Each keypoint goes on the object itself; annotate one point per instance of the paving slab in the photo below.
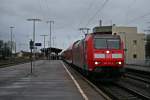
(49, 81)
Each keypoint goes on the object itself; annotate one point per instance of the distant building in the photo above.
(134, 42)
(1, 47)
(23, 54)
(4, 50)
(8, 44)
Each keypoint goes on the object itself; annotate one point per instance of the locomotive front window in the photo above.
(101, 43)
(113, 43)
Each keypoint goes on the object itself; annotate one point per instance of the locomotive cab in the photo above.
(99, 54)
(107, 55)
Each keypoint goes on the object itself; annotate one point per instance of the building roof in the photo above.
(55, 50)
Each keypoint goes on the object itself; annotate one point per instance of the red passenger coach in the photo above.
(97, 53)
(67, 54)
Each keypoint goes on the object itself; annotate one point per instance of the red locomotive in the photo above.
(98, 53)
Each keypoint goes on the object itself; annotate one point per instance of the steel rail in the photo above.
(145, 80)
(106, 97)
(132, 91)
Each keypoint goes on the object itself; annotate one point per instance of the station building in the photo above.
(134, 42)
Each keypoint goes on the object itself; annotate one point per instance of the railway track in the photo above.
(119, 90)
(100, 92)
(138, 87)
(2, 65)
(142, 78)
(139, 78)
(117, 93)
(126, 89)
(138, 73)
(136, 92)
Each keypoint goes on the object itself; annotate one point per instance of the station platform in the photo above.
(49, 81)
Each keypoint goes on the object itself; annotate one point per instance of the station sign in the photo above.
(38, 44)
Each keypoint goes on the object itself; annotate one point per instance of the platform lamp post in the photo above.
(11, 41)
(44, 43)
(50, 22)
(34, 20)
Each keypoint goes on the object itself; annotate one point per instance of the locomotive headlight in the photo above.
(96, 63)
(119, 62)
(107, 51)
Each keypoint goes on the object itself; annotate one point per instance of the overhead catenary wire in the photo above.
(39, 1)
(45, 9)
(86, 13)
(137, 18)
(47, 6)
(98, 11)
(129, 8)
(42, 8)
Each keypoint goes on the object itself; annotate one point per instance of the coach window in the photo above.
(134, 42)
(134, 56)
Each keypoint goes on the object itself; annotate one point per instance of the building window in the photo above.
(134, 42)
(115, 33)
(134, 56)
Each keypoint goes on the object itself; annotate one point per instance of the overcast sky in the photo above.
(69, 16)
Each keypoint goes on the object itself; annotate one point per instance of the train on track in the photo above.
(99, 53)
